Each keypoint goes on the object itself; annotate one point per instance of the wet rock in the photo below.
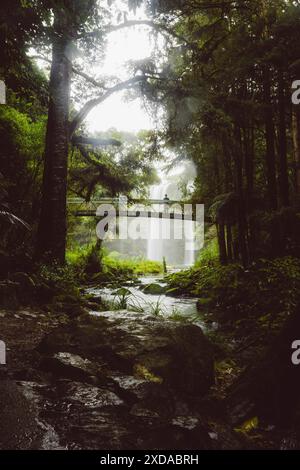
(174, 291)
(186, 422)
(69, 304)
(91, 396)
(93, 306)
(152, 349)
(70, 366)
(19, 429)
(121, 379)
(154, 289)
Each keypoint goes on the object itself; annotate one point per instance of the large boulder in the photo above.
(180, 355)
(132, 380)
(175, 354)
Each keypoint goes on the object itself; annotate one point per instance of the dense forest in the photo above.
(222, 87)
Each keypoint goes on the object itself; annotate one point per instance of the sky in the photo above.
(128, 44)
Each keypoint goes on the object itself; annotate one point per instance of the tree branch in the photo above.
(117, 27)
(95, 142)
(87, 77)
(89, 105)
(127, 24)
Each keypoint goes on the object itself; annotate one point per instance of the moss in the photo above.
(154, 289)
(141, 371)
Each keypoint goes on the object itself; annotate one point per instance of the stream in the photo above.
(126, 378)
(166, 306)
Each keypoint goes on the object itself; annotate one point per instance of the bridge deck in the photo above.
(110, 200)
(132, 214)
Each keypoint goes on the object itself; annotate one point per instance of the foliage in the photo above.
(266, 289)
(156, 308)
(113, 169)
(137, 265)
(60, 278)
(20, 161)
(210, 253)
(89, 259)
(121, 298)
(226, 95)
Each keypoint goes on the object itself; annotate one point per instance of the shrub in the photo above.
(90, 260)
(268, 287)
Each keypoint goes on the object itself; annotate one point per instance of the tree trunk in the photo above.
(270, 141)
(227, 165)
(222, 243)
(51, 238)
(283, 166)
(241, 206)
(296, 144)
(249, 163)
(229, 242)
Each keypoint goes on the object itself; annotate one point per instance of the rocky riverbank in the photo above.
(108, 380)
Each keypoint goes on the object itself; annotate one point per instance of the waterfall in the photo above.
(189, 252)
(160, 238)
(176, 252)
(156, 226)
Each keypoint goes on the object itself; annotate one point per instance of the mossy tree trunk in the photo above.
(51, 239)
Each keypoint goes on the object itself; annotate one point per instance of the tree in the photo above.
(71, 24)
(112, 163)
(228, 109)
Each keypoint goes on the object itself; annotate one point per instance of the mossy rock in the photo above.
(154, 289)
(185, 362)
(173, 291)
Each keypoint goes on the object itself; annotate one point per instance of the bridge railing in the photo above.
(144, 202)
(150, 208)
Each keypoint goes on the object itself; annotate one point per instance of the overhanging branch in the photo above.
(161, 27)
(82, 74)
(95, 142)
(91, 104)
